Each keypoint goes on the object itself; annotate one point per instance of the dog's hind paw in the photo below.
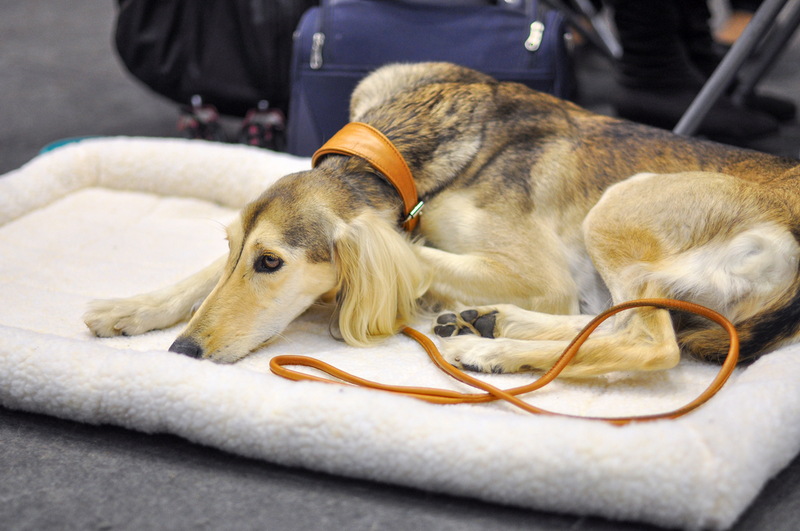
(480, 322)
(473, 353)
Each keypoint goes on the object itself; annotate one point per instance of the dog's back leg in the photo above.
(158, 309)
(636, 340)
(708, 238)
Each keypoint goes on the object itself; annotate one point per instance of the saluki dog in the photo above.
(537, 215)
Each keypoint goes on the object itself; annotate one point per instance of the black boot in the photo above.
(659, 81)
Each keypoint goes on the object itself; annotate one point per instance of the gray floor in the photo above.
(59, 78)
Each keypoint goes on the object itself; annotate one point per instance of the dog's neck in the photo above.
(364, 141)
(354, 185)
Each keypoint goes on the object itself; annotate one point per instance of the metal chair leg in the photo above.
(769, 52)
(721, 79)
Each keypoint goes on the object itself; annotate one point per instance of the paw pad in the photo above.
(469, 316)
(467, 322)
(485, 324)
(445, 331)
(447, 318)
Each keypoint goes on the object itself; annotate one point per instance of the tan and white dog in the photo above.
(537, 215)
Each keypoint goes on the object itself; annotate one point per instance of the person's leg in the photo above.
(659, 80)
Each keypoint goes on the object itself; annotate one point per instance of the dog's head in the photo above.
(305, 238)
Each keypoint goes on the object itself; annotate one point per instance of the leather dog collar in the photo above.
(364, 141)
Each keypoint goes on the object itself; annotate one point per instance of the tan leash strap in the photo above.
(441, 396)
(358, 139)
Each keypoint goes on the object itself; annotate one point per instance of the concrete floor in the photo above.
(59, 78)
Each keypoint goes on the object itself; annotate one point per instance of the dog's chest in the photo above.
(453, 222)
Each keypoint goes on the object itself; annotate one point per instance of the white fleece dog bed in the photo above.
(115, 217)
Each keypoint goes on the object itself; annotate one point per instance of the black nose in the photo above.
(187, 346)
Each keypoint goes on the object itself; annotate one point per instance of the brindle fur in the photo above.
(513, 226)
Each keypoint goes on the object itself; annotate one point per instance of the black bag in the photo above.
(340, 42)
(232, 53)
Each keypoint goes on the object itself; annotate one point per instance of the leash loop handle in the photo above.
(441, 396)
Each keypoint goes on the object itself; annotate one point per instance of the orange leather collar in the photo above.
(361, 140)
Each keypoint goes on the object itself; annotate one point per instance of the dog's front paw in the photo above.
(126, 317)
(480, 322)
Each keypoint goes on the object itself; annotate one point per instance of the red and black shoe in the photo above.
(200, 122)
(264, 127)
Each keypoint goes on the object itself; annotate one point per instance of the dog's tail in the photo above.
(769, 329)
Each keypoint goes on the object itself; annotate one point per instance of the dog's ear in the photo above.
(380, 279)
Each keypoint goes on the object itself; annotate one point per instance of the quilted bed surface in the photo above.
(110, 218)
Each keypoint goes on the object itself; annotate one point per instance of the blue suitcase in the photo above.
(341, 41)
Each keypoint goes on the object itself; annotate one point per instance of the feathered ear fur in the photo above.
(380, 280)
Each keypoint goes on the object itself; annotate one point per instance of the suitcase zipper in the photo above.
(534, 40)
(317, 40)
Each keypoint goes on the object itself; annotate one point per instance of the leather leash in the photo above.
(364, 141)
(278, 366)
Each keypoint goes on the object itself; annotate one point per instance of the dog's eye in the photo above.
(268, 263)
